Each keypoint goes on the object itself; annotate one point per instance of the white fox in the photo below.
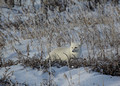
(64, 53)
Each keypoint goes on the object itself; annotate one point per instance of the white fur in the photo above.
(64, 53)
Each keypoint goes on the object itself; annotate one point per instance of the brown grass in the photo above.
(99, 33)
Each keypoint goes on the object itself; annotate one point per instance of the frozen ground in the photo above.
(61, 76)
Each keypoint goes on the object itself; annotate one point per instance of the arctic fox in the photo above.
(64, 53)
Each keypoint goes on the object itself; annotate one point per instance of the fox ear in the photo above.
(71, 43)
(80, 44)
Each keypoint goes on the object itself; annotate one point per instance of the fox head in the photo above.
(75, 47)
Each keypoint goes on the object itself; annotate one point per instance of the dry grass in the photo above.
(4, 63)
(99, 31)
(6, 81)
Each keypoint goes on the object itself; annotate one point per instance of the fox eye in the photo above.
(75, 47)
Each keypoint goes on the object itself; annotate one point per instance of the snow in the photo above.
(75, 77)
(62, 76)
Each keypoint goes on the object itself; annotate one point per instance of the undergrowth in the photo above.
(104, 65)
(97, 29)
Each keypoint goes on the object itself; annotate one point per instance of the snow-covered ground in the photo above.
(62, 76)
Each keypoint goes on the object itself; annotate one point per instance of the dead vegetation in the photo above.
(102, 65)
(6, 81)
(100, 34)
(4, 63)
